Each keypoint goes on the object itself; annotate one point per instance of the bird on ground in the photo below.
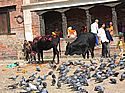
(38, 68)
(53, 82)
(14, 77)
(122, 76)
(32, 86)
(115, 74)
(44, 84)
(50, 72)
(113, 81)
(44, 91)
(13, 86)
(58, 84)
(82, 90)
(53, 76)
(52, 66)
(100, 89)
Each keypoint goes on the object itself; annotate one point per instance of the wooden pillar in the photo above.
(114, 20)
(88, 16)
(88, 20)
(42, 25)
(64, 24)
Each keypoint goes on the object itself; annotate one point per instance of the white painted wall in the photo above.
(27, 22)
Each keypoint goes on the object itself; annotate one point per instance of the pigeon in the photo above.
(102, 66)
(39, 79)
(13, 86)
(53, 82)
(50, 73)
(40, 88)
(31, 79)
(93, 62)
(52, 66)
(44, 91)
(33, 75)
(58, 84)
(122, 76)
(27, 89)
(100, 89)
(23, 82)
(44, 84)
(113, 81)
(53, 76)
(116, 74)
(14, 77)
(101, 60)
(99, 77)
(82, 90)
(38, 68)
(32, 86)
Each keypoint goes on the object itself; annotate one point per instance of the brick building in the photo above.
(29, 18)
(11, 28)
(64, 13)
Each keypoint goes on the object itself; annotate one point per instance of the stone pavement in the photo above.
(27, 69)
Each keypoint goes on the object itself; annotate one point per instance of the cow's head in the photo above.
(72, 49)
(69, 49)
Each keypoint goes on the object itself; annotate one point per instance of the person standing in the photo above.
(120, 46)
(94, 30)
(104, 40)
(111, 29)
(109, 37)
(27, 49)
(71, 33)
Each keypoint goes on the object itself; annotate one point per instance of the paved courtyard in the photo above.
(26, 70)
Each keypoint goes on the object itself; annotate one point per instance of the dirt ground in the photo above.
(26, 70)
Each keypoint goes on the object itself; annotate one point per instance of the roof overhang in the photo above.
(62, 4)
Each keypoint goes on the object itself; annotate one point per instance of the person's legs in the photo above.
(102, 49)
(96, 39)
(108, 49)
(105, 49)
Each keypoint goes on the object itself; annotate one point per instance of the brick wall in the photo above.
(35, 24)
(11, 45)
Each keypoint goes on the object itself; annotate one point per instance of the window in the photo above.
(4, 23)
(5, 19)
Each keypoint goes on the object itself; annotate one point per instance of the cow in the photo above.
(84, 43)
(47, 42)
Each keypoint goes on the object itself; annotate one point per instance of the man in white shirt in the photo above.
(104, 40)
(94, 30)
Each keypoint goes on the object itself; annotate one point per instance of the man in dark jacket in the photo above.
(109, 37)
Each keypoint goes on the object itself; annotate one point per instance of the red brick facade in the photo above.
(11, 44)
(35, 24)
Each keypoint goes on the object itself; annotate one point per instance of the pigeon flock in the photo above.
(83, 74)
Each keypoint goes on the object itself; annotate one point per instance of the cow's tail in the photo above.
(59, 48)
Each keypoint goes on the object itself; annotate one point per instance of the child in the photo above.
(120, 46)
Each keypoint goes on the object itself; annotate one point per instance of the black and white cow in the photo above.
(84, 43)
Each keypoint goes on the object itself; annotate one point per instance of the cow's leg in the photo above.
(42, 56)
(87, 54)
(84, 52)
(27, 56)
(38, 54)
(92, 52)
(57, 52)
